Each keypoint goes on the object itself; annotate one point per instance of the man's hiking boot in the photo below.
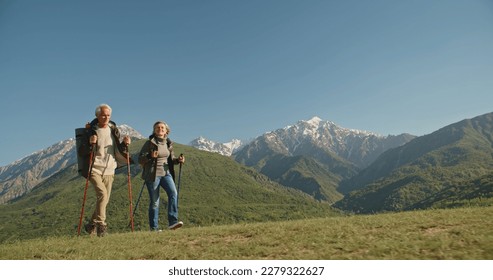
(91, 229)
(102, 230)
(176, 225)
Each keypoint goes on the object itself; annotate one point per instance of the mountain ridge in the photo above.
(340, 151)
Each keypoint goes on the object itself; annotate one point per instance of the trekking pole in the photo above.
(138, 200)
(179, 180)
(142, 189)
(130, 190)
(89, 171)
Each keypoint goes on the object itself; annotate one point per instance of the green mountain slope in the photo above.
(317, 175)
(214, 190)
(401, 178)
(305, 174)
(475, 192)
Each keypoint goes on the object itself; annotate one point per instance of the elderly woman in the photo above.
(157, 159)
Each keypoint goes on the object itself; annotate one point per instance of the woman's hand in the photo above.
(154, 154)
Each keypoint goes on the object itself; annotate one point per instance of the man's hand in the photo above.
(126, 140)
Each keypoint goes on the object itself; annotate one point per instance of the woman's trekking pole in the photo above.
(130, 190)
(89, 171)
(138, 200)
(179, 180)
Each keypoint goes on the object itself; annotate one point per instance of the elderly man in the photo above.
(108, 154)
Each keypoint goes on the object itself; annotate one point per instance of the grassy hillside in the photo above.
(461, 234)
(214, 190)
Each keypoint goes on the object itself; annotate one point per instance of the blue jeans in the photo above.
(169, 186)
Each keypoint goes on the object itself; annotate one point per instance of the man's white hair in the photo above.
(100, 107)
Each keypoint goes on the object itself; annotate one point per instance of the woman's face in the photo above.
(160, 130)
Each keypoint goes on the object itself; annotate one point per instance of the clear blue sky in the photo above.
(236, 69)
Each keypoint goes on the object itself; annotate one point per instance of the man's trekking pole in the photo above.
(89, 171)
(130, 190)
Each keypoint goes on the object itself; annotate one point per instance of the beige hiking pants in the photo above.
(102, 185)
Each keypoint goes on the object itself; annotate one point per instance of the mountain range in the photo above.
(315, 155)
(363, 172)
(353, 170)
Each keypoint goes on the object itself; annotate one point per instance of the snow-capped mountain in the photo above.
(306, 138)
(316, 135)
(128, 130)
(22, 175)
(225, 149)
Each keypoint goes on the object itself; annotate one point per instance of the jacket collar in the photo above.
(94, 124)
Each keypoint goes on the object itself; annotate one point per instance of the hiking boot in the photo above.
(91, 229)
(176, 225)
(102, 230)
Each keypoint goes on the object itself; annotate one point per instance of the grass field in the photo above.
(453, 234)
